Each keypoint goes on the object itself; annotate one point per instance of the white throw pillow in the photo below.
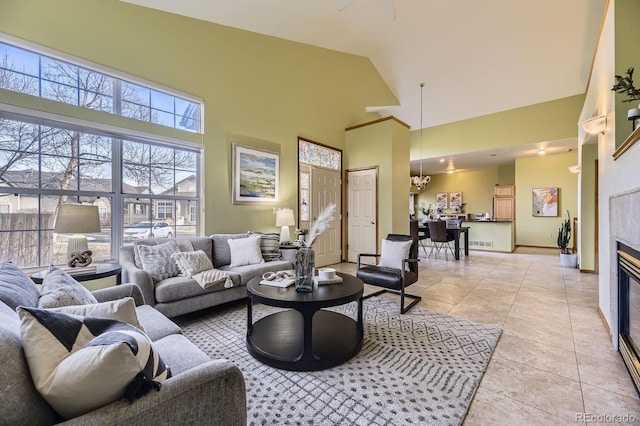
(157, 260)
(393, 252)
(192, 262)
(81, 363)
(61, 289)
(245, 251)
(122, 310)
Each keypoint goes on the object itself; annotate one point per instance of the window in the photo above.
(140, 179)
(31, 73)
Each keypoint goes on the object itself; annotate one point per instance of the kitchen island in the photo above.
(491, 235)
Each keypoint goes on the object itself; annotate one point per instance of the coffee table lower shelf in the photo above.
(278, 340)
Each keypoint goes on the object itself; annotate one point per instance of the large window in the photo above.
(39, 75)
(144, 187)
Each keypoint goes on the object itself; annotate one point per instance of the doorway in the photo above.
(362, 212)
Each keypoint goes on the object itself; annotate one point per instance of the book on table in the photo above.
(279, 282)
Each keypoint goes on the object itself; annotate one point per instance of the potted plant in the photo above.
(427, 211)
(567, 258)
(624, 85)
(301, 233)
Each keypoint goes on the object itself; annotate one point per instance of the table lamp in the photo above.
(77, 219)
(284, 219)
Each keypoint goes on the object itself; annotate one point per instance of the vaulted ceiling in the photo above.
(476, 57)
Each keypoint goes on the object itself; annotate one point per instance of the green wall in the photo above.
(476, 188)
(384, 144)
(520, 126)
(539, 172)
(257, 89)
(588, 207)
(507, 174)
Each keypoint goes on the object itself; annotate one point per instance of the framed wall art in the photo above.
(441, 201)
(455, 200)
(544, 202)
(256, 175)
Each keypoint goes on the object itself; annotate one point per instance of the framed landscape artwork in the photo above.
(441, 201)
(256, 175)
(544, 202)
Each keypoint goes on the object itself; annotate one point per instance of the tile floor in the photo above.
(554, 363)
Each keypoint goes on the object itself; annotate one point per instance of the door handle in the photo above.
(373, 223)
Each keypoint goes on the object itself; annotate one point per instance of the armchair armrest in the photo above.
(119, 292)
(365, 255)
(211, 393)
(132, 274)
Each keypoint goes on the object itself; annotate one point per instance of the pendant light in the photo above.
(421, 182)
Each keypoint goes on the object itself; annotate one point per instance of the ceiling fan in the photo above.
(389, 8)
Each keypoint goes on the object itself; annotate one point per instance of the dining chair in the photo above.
(440, 237)
(421, 235)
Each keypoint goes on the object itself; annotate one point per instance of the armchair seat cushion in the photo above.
(383, 276)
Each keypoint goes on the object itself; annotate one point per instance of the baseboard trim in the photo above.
(604, 321)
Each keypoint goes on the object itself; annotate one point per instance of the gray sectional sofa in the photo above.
(200, 391)
(180, 294)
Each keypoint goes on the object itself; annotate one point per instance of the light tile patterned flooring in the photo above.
(554, 363)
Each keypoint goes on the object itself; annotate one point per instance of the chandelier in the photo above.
(420, 182)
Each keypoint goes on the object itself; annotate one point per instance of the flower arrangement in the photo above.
(426, 210)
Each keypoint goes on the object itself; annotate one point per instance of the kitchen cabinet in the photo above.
(504, 191)
(504, 202)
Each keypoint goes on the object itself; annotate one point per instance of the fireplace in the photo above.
(629, 309)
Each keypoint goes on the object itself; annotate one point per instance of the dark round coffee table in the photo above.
(305, 337)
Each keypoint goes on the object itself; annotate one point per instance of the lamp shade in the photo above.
(284, 217)
(77, 219)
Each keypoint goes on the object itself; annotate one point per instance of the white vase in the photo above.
(569, 260)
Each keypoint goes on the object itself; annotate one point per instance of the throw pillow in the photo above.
(270, 247)
(245, 251)
(393, 252)
(81, 363)
(192, 262)
(183, 245)
(157, 260)
(122, 310)
(60, 289)
(16, 288)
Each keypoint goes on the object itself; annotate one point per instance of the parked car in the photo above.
(146, 229)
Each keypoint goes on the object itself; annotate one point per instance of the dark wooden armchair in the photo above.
(394, 280)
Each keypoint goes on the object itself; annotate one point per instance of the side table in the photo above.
(288, 253)
(103, 270)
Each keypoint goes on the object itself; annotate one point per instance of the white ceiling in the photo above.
(476, 57)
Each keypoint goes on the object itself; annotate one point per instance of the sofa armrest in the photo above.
(212, 393)
(132, 274)
(119, 292)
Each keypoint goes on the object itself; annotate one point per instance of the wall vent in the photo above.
(480, 243)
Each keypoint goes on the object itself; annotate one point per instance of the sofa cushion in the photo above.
(81, 363)
(16, 288)
(61, 289)
(21, 403)
(184, 244)
(269, 246)
(122, 310)
(178, 352)
(245, 251)
(156, 325)
(178, 288)
(192, 262)
(157, 260)
(221, 254)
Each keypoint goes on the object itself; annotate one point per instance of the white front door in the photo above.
(362, 213)
(325, 190)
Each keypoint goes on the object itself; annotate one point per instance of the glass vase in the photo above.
(305, 264)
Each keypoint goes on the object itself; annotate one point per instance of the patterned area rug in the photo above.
(420, 368)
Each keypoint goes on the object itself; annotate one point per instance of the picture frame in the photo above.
(256, 175)
(442, 201)
(455, 200)
(544, 202)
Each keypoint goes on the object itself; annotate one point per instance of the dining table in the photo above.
(455, 232)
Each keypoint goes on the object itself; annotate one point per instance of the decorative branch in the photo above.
(624, 85)
(321, 224)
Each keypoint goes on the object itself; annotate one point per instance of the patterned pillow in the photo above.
(270, 247)
(157, 260)
(192, 262)
(81, 363)
(122, 310)
(245, 251)
(60, 289)
(183, 244)
(16, 288)
(393, 252)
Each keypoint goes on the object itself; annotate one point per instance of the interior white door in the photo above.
(362, 213)
(326, 189)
